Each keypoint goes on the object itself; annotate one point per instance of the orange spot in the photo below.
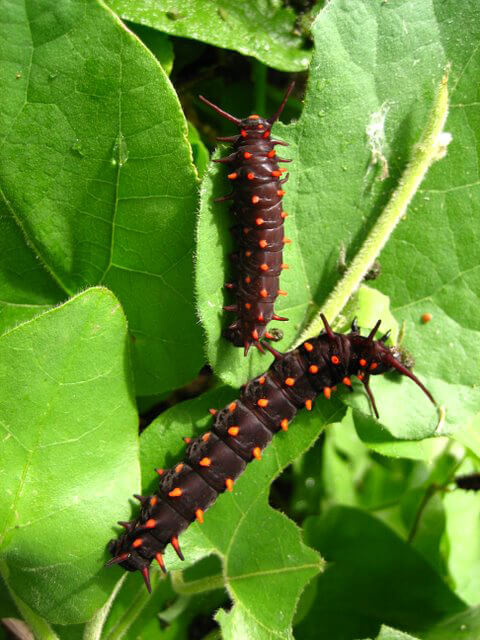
(284, 265)
(280, 192)
(248, 253)
(199, 515)
(175, 493)
(347, 381)
(153, 501)
(271, 154)
(284, 424)
(266, 134)
(268, 335)
(289, 382)
(262, 244)
(248, 279)
(276, 173)
(205, 462)
(363, 362)
(373, 366)
(334, 388)
(284, 215)
(243, 133)
(176, 546)
(327, 392)
(308, 346)
(187, 440)
(360, 376)
(263, 402)
(282, 170)
(179, 467)
(229, 484)
(150, 524)
(213, 412)
(232, 406)
(264, 267)
(137, 543)
(206, 436)
(255, 334)
(263, 293)
(233, 431)
(248, 305)
(247, 155)
(261, 380)
(260, 126)
(255, 199)
(286, 241)
(313, 368)
(250, 176)
(281, 292)
(426, 317)
(259, 221)
(257, 453)
(335, 360)
(246, 230)
(260, 318)
(308, 405)
(160, 471)
(232, 176)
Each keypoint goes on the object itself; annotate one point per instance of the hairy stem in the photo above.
(93, 629)
(431, 147)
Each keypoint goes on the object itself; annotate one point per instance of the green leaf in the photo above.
(464, 626)
(256, 28)
(97, 180)
(70, 440)
(261, 550)
(374, 56)
(387, 633)
(158, 43)
(372, 577)
(462, 511)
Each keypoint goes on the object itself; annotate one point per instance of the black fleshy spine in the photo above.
(240, 432)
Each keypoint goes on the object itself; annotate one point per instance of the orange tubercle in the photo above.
(308, 405)
(280, 192)
(263, 293)
(232, 406)
(179, 467)
(347, 381)
(363, 362)
(250, 176)
(281, 292)
(232, 176)
(137, 543)
(335, 360)
(284, 215)
(257, 453)
(261, 380)
(271, 154)
(373, 366)
(284, 424)
(308, 346)
(255, 334)
(175, 493)
(205, 462)
(289, 382)
(327, 392)
(259, 221)
(247, 155)
(263, 402)
(150, 524)
(229, 484)
(233, 431)
(313, 368)
(206, 436)
(276, 173)
(199, 515)
(255, 199)
(262, 244)
(264, 267)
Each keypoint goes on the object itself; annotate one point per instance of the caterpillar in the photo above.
(240, 432)
(469, 482)
(258, 231)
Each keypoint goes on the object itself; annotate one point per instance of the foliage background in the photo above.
(112, 261)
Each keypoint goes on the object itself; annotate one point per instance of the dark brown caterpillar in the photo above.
(259, 215)
(469, 482)
(242, 430)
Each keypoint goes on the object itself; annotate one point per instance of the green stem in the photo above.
(93, 629)
(196, 586)
(431, 147)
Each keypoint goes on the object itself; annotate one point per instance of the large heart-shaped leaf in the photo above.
(97, 180)
(69, 428)
(375, 60)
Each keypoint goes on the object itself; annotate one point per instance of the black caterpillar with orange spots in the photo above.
(241, 431)
(259, 215)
